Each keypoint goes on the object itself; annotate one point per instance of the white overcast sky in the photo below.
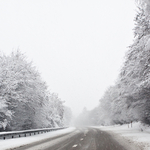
(77, 45)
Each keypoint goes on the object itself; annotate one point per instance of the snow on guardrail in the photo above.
(24, 133)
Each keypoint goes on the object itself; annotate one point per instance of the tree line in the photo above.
(25, 102)
(129, 99)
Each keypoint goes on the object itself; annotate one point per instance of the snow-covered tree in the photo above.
(129, 99)
(67, 117)
(24, 97)
(56, 111)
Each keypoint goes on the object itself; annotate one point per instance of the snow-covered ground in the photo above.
(138, 134)
(16, 142)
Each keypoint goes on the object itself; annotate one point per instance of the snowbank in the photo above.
(138, 134)
(17, 142)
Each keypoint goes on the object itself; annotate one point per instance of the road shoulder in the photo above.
(125, 142)
(133, 137)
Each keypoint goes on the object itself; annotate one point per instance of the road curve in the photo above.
(80, 139)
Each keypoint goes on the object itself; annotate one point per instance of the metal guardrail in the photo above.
(25, 133)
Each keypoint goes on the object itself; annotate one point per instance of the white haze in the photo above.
(77, 45)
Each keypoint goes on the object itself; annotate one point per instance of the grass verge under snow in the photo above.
(138, 134)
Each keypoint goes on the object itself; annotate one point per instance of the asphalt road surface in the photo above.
(80, 139)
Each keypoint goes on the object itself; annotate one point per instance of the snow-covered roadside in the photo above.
(17, 142)
(138, 135)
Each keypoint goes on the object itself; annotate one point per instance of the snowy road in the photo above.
(80, 139)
